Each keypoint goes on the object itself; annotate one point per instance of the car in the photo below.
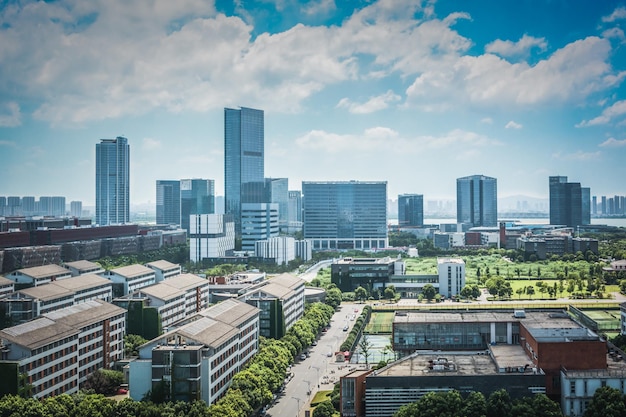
(314, 343)
(303, 356)
(345, 328)
(329, 354)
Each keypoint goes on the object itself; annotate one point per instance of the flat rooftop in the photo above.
(453, 363)
(163, 265)
(132, 271)
(83, 265)
(44, 271)
(533, 319)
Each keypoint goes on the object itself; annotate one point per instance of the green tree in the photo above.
(104, 381)
(132, 343)
(390, 293)
(434, 404)
(606, 402)
(360, 293)
(364, 346)
(324, 409)
(333, 297)
(429, 292)
(499, 404)
(475, 405)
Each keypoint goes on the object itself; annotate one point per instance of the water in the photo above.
(617, 222)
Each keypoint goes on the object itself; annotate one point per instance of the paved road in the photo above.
(319, 371)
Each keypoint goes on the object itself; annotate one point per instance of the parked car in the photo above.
(345, 328)
(303, 356)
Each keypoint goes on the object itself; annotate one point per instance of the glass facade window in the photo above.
(569, 202)
(197, 196)
(168, 202)
(112, 181)
(411, 210)
(477, 201)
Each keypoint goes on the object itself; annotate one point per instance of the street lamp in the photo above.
(298, 400)
(318, 374)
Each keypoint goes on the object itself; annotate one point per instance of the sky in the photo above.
(413, 93)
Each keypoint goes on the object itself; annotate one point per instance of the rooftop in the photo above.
(82, 282)
(287, 280)
(84, 314)
(234, 312)
(46, 292)
(162, 265)
(162, 292)
(132, 271)
(274, 290)
(450, 261)
(83, 265)
(452, 363)
(45, 271)
(533, 319)
(37, 333)
(556, 335)
(185, 281)
(5, 281)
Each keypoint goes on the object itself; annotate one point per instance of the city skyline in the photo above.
(413, 94)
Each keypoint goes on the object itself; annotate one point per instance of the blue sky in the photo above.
(417, 94)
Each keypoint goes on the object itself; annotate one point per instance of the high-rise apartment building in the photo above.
(244, 151)
(168, 202)
(197, 196)
(411, 210)
(569, 202)
(112, 181)
(76, 208)
(477, 201)
(345, 214)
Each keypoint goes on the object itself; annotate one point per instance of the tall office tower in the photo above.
(585, 193)
(295, 206)
(477, 201)
(112, 181)
(168, 202)
(278, 192)
(594, 205)
(244, 150)
(566, 202)
(345, 214)
(76, 208)
(3, 205)
(197, 196)
(411, 210)
(603, 205)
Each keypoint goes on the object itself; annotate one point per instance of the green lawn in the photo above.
(380, 322)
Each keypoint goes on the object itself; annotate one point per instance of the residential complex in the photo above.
(345, 214)
(112, 181)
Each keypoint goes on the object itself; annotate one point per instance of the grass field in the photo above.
(380, 322)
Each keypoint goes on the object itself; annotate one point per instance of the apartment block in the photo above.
(164, 269)
(39, 275)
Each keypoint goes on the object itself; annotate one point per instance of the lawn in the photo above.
(380, 322)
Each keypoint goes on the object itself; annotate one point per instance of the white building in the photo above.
(211, 236)
(259, 221)
(578, 387)
(58, 350)
(304, 250)
(164, 269)
(132, 278)
(281, 248)
(39, 275)
(215, 344)
(6, 286)
(451, 276)
(84, 267)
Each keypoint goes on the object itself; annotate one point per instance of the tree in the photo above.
(132, 343)
(365, 346)
(104, 381)
(474, 405)
(360, 293)
(429, 292)
(530, 290)
(333, 297)
(324, 409)
(499, 404)
(434, 404)
(606, 402)
(390, 292)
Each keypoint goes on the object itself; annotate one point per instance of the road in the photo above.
(319, 371)
(311, 273)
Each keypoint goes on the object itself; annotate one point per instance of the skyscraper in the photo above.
(569, 202)
(168, 202)
(411, 210)
(112, 181)
(197, 196)
(278, 192)
(477, 201)
(244, 174)
(345, 214)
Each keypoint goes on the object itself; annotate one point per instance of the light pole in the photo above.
(318, 375)
(298, 400)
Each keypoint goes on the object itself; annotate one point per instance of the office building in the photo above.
(411, 210)
(280, 248)
(345, 214)
(259, 221)
(477, 201)
(76, 208)
(211, 236)
(451, 276)
(197, 196)
(199, 356)
(244, 156)
(278, 193)
(569, 203)
(112, 181)
(57, 351)
(168, 202)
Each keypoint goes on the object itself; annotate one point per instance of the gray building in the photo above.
(197, 196)
(112, 181)
(411, 210)
(570, 203)
(168, 202)
(345, 214)
(477, 201)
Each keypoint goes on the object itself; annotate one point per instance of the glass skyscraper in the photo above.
(477, 201)
(197, 196)
(345, 214)
(244, 155)
(168, 202)
(569, 202)
(112, 181)
(411, 210)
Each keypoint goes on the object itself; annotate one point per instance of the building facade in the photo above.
(197, 196)
(244, 156)
(259, 221)
(168, 202)
(112, 181)
(451, 276)
(278, 189)
(569, 202)
(211, 236)
(411, 210)
(477, 201)
(345, 214)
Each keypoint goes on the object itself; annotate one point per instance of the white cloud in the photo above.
(374, 104)
(614, 33)
(487, 121)
(320, 7)
(8, 144)
(520, 48)
(614, 111)
(577, 156)
(10, 115)
(513, 125)
(618, 14)
(150, 144)
(613, 143)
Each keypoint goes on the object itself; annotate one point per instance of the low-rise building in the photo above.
(164, 269)
(84, 267)
(131, 278)
(369, 273)
(39, 275)
(198, 357)
(6, 287)
(54, 353)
